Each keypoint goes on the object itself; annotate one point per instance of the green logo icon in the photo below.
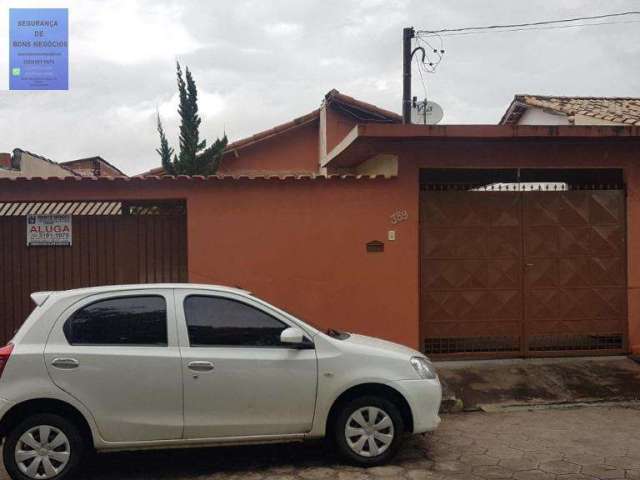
(15, 72)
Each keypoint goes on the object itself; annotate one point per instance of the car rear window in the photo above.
(135, 320)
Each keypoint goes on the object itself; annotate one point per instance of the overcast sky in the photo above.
(258, 63)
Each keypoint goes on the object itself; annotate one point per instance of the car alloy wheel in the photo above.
(369, 431)
(42, 452)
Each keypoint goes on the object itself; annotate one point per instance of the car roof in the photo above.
(142, 286)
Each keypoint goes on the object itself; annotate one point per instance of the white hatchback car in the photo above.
(175, 365)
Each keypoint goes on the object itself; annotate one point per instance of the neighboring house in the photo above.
(93, 167)
(26, 164)
(301, 145)
(550, 110)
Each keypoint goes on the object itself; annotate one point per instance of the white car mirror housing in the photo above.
(295, 338)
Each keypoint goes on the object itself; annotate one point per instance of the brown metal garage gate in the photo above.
(113, 242)
(523, 269)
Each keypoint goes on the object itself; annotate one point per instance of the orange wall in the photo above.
(301, 243)
(297, 243)
(338, 125)
(294, 151)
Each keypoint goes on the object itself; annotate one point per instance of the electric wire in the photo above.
(543, 22)
(527, 29)
(424, 85)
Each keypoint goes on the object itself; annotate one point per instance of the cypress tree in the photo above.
(194, 158)
(165, 151)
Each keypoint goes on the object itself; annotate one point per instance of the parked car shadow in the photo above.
(199, 462)
(246, 462)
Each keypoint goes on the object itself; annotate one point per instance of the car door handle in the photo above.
(65, 363)
(200, 366)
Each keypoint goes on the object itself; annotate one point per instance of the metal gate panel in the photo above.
(523, 273)
(471, 251)
(122, 245)
(575, 271)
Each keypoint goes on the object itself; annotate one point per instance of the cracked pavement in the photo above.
(558, 444)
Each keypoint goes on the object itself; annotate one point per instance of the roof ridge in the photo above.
(335, 95)
(575, 97)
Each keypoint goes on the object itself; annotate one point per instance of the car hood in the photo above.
(379, 344)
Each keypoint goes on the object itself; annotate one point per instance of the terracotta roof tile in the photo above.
(372, 112)
(169, 178)
(616, 109)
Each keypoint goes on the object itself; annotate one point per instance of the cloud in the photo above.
(129, 32)
(283, 29)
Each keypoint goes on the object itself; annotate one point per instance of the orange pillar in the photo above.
(633, 255)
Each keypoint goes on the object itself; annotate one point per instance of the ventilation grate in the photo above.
(438, 346)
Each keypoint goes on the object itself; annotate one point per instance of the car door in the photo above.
(239, 380)
(118, 354)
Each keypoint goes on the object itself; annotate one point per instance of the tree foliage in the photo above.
(194, 157)
(165, 151)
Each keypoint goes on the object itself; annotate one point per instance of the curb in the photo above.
(493, 408)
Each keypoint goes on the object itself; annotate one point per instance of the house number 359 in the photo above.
(399, 216)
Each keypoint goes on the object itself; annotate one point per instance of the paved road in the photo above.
(568, 444)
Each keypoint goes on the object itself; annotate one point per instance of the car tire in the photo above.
(364, 442)
(27, 457)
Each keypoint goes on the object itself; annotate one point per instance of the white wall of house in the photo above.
(32, 166)
(381, 164)
(537, 116)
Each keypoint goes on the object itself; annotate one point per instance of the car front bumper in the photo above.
(424, 398)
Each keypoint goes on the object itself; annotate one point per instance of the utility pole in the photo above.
(407, 35)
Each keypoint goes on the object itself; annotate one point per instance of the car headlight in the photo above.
(424, 368)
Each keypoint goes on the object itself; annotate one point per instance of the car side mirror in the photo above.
(295, 338)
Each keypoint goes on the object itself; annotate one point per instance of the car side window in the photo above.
(217, 321)
(135, 320)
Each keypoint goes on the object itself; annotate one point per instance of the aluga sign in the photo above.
(49, 230)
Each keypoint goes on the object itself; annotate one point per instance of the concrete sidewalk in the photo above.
(490, 384)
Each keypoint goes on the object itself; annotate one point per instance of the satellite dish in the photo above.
(426, 112)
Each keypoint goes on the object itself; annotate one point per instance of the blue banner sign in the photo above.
(39, 49)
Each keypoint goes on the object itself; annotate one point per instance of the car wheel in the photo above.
(368, 431)
(44, 446)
